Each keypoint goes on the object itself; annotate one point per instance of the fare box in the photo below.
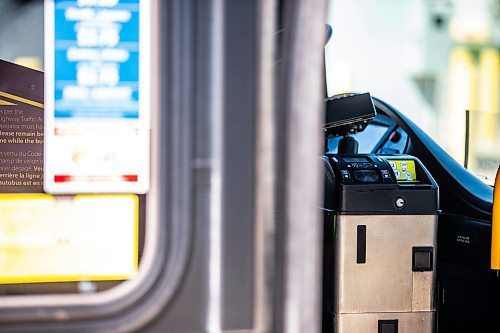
(97, 96)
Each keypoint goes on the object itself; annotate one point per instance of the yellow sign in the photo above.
(55, 239)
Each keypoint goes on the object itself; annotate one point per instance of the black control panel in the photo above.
(383, 184)
(362, 169)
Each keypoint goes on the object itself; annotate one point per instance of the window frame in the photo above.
(133, 303)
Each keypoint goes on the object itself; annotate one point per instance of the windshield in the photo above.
(433, 60)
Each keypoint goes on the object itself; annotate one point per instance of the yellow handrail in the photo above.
(495, 225)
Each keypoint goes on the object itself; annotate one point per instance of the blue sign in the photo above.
(96, 59)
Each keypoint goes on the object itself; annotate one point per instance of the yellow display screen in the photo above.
(404, 170)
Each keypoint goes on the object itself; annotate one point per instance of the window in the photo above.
(85, 255)
(367, 139)
(89, 239)
(433, 61)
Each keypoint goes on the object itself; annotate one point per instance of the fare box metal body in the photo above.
(97, 96)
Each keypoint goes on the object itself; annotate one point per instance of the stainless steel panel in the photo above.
(385, 283)
(423, 291)
(416, 322)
